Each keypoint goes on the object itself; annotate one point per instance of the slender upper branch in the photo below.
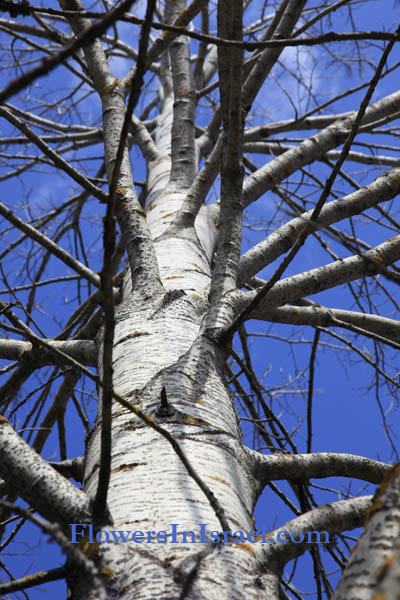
(49, 245)
(385, 187)
(162, 42)
(313, 148)
(322, 278)
(287, 18)
(183, 153)
(230, 76)
(59, 162)
(267, 59)
(131, 217)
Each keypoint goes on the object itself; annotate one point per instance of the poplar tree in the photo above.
(179, 178)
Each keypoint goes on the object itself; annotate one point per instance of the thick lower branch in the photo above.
(37, 482)
(331, 518)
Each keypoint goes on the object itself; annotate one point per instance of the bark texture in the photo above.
(156, 335)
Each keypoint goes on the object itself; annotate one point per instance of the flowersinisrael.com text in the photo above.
(203, 536)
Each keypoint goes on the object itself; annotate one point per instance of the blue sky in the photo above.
(346, 414)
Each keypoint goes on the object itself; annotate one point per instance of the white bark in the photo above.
(372, 571)
(385, 187)
(313, 148)
(322, 278)
(176, 291)
(37, 482)
(318, 315)
(146, 473)
(83, 351)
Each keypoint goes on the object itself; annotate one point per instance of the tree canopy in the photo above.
(200, 203)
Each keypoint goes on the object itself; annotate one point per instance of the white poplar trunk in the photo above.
(159, 341)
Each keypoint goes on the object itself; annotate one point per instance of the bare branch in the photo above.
(300, 467)
(59, 162)
(330, 275)
(385, 187)
(48, 64)
(37, 482)
(331, 518)
(83, 351)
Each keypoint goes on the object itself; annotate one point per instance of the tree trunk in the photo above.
(183, 486)
(158, 343)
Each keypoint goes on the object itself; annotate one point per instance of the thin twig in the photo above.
(51, 62)
(311, 388)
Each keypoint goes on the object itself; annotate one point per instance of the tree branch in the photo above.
(313, 148)
(59, 162)
(332, 518)
(317, 316)
(32, 478)
(23, 583)
(303, 467)
(323, 278)
(48, 244)
(82, 350)
(385, 187)
(183, 152)
(268, 58)
(230, 63)
(76, 556)
(49, 63)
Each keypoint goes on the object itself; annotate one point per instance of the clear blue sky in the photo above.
(346, 415)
